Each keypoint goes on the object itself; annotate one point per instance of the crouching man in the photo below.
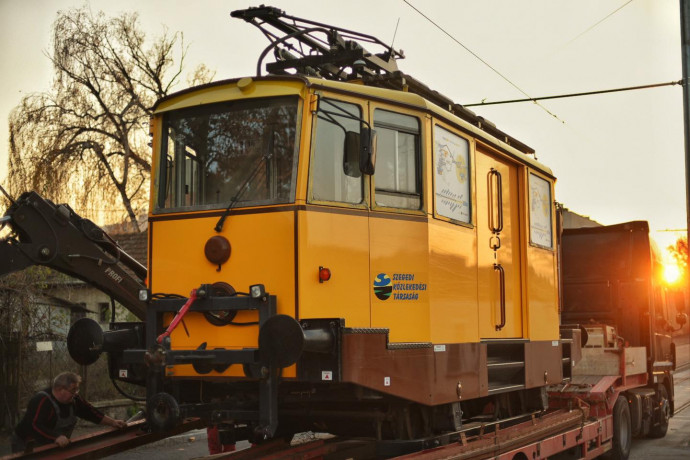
(52, 415)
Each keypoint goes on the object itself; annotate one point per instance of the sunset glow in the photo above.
(671, 273)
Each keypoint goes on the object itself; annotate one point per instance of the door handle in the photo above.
(495, 214)
(502, 294)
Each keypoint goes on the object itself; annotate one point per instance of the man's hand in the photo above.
(114, 423)
(62, 441)
(119, 424)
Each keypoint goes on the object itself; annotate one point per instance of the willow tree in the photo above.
(85, 141)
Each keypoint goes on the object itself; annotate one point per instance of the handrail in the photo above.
(495, 226)
(502, 289)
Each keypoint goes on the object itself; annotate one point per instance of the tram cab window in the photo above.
(398, 175)
(332, 178)
(242, 151)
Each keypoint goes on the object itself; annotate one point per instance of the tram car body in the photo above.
(439, 268)
(401, 258)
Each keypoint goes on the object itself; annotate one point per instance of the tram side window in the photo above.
(329, 179)
(541, 233)
(397, 177)
(452, 175)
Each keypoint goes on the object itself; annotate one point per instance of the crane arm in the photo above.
(54, 236)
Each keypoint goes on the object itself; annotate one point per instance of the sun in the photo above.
(671, 273)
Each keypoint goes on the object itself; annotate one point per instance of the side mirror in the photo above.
(367, 151)
(360, 153)
(681, 319)
(351, 155)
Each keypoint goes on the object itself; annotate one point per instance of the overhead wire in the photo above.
(588, 29)
(587, 93)
(480, 59)
(597, 23)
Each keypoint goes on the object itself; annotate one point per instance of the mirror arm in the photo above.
(330, 119)
(367, 147)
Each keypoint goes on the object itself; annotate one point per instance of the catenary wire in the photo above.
(587, 93)
(480, 59)
(598, 22)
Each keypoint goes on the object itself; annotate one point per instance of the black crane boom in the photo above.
(55, 236)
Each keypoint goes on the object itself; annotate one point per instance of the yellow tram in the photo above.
(414, 248)
(400, 253)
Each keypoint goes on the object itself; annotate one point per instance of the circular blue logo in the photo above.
(382, 286)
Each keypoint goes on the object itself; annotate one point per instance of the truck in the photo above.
(613, 275)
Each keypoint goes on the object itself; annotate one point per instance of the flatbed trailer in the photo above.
(581, 423)
(568, 432)
(593, 412)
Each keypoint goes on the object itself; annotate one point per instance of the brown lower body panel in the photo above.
(440, 374)
(543, 363)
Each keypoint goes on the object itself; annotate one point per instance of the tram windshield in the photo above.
(241, 152)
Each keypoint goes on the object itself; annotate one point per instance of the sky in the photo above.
(618, 157)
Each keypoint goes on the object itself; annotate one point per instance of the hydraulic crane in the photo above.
(43, 233)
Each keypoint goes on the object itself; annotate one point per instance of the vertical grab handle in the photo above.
(495, 214)
(502, 291)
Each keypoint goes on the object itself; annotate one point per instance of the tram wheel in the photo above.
(622, 430)
(163, 412)
(661, 418)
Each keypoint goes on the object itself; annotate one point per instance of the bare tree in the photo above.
(86, 140)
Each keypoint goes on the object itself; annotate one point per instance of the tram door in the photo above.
(498, 246)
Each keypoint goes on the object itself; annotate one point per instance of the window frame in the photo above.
(470, 174)
(362, 106)
(163, 149)
(530, 173)
(420, 158)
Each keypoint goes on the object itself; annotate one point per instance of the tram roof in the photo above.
(454, 114)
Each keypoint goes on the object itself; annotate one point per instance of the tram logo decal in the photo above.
(382, 286)
(400, 286)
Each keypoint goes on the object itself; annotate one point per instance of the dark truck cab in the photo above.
(614, 275)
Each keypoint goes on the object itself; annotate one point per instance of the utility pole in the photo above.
(685, 52)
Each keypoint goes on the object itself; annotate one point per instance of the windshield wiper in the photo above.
(219, 226)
